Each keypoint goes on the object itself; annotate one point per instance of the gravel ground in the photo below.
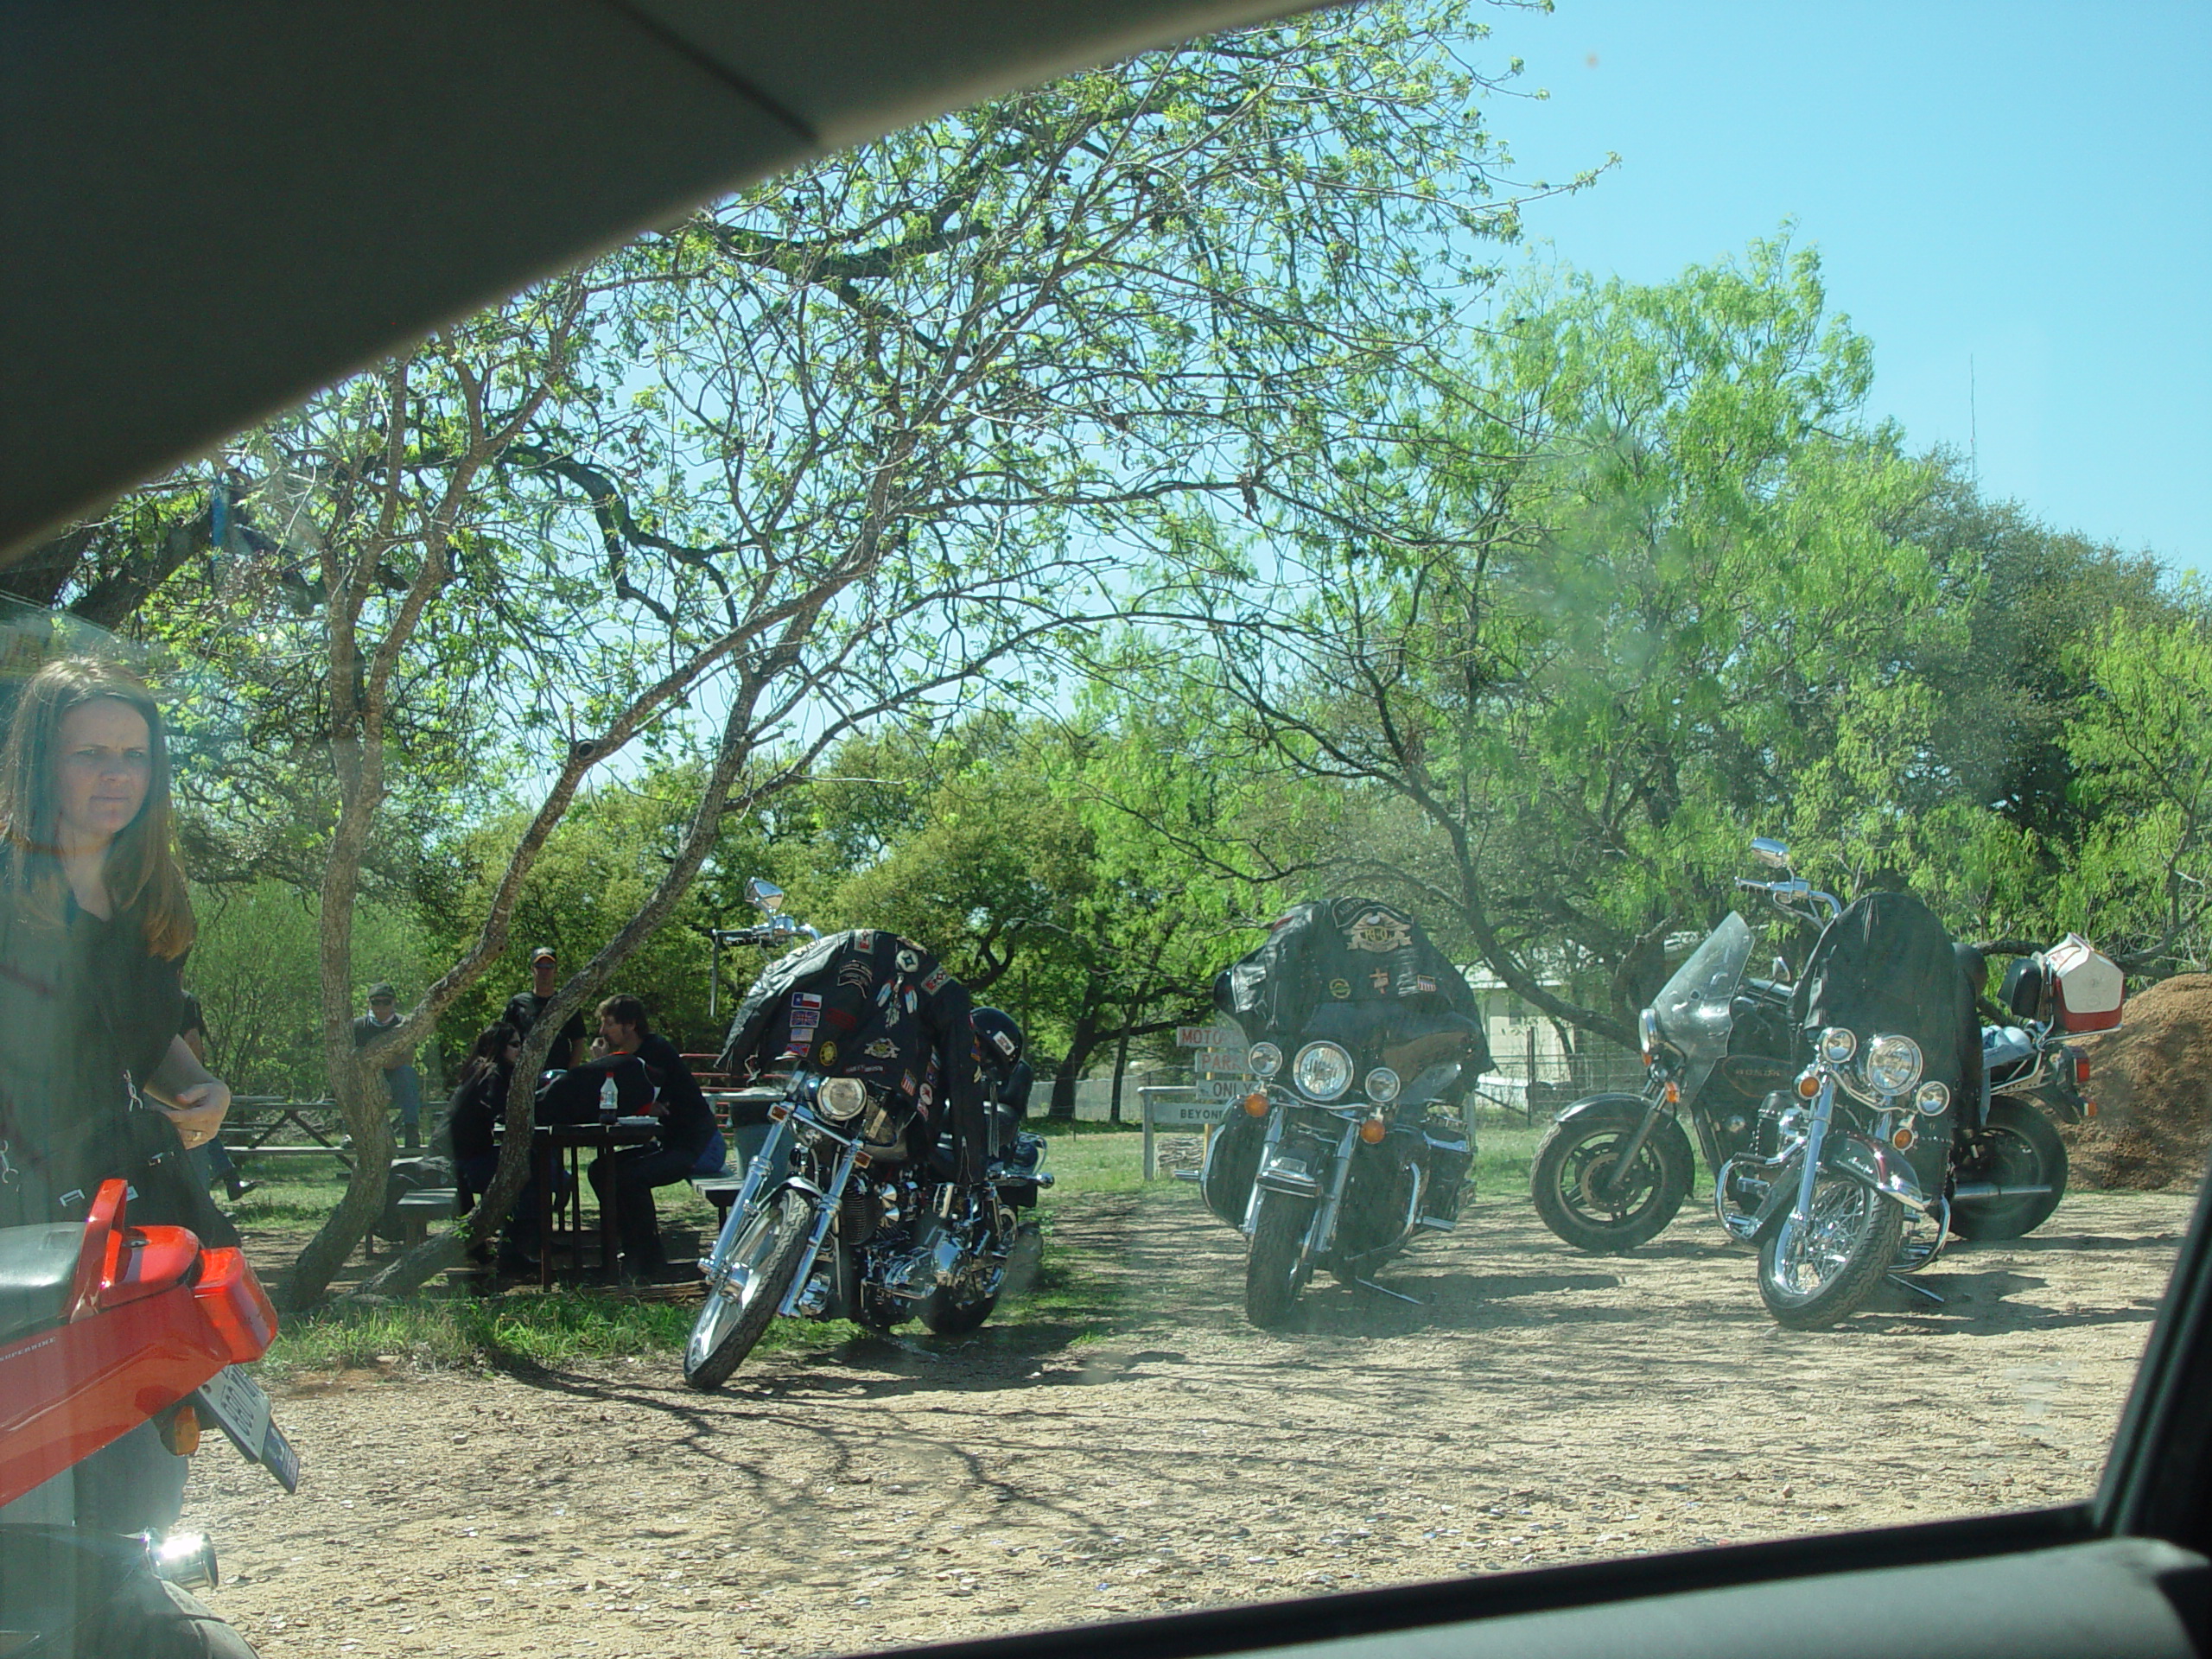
(1540, 1406)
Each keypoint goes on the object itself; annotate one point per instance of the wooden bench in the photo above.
(720, 1191)
(422, 1207)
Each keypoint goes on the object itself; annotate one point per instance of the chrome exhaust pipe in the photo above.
(1966, 1190)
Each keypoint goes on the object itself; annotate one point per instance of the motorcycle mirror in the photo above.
(763, 895)
(1770, 852)
(1782, 968)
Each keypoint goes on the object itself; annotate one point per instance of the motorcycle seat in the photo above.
(38, 1267)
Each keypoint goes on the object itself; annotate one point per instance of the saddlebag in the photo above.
(1232, 1160)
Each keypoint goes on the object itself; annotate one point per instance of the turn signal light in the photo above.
(1673, 1094)
(1372, 1130)
(780, 1111)
(2089, 1109)
(179, 1431)
(1902, 1139)
(1809, 1086)
(1255, 1104)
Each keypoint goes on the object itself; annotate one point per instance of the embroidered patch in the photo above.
(937, 981)
(1340, 988)
(1423, 982)
(864, 939)
(1380, 979)
(829, 1055)
(907, 1083)
(1379, 931)
(907, 961)
(883, 1049)
(806, 1012)
(856, 974)
(842, 1019)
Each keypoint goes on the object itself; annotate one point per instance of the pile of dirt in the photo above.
(2152, 1081)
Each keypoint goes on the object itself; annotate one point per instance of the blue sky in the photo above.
(2026, 186)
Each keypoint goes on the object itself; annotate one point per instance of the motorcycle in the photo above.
(838, 1219)
(102, 1329)
(1336, 1181)
(1613, 1169)
(839, 1216)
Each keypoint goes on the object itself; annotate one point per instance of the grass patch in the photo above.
(542, 1328)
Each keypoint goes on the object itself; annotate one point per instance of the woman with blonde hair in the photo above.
(95, 923)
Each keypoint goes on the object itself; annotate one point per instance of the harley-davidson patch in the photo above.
(884, 1049)
(1379, 932)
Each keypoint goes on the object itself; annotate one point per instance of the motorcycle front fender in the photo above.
(1590, 1105)
(1855, 1156)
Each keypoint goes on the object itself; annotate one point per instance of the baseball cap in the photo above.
(541, 953)
(381, 992)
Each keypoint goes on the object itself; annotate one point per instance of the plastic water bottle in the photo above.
(610, 1105)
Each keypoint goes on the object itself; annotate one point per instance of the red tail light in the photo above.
(2081, 1069)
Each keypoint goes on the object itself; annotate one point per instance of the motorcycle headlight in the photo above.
(841, 1098)
(1838, 1045)
(1647, 1033)
(1323, 1071)
(1265, 1059)
(1381, 1085)
(1932, 1098)
(1892, 1064)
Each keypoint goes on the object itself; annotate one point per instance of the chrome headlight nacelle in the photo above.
(1322, 1071)
(1892, 1064)
(841, 1098)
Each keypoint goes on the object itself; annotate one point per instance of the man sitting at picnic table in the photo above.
(687, 1125)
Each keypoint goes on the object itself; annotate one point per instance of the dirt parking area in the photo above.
(1540, 1406)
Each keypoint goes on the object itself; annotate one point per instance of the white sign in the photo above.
(1218, 1059)
(1168, 1114)
(1208, 1037)
(1222, 1088)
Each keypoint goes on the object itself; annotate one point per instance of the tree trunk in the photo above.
(1081, 1046)
(1120, 1066)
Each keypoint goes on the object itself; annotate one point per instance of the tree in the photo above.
(1640, 588)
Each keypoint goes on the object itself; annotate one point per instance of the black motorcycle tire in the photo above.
(727, 1329)
(1875, 1229)
(1272, 1280)
(2027, 1150)
(1558, 1181)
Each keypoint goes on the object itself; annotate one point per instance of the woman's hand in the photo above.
(198, 1112)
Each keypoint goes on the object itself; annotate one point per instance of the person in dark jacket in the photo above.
(476, 1108)
(687, 1124)
(525, 1006)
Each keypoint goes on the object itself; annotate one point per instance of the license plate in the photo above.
(240, 1408)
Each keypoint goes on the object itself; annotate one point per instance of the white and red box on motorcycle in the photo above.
(2073, 985)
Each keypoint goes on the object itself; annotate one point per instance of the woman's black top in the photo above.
(477, 1106)
(86, 1011)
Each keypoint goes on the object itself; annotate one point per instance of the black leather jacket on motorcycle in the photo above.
(1361, 973)
(869, 1004)
(1887, 964)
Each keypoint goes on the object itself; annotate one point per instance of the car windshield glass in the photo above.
(920, 910)
(1692, 1008)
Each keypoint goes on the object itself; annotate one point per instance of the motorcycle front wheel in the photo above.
(2021, 1148)
(1272, 1276)
(1814, 1276)
(1583, 1195)
(762, 1262)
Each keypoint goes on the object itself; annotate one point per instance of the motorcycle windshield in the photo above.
(1692, 1008)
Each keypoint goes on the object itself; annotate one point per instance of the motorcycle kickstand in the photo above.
(1917, 1289)
(1368, 1284)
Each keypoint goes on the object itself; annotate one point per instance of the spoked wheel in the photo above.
(1272, 1274)
(2018, 1146)
(763, 1262)
(1584, 1195)
(1816, 1275)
